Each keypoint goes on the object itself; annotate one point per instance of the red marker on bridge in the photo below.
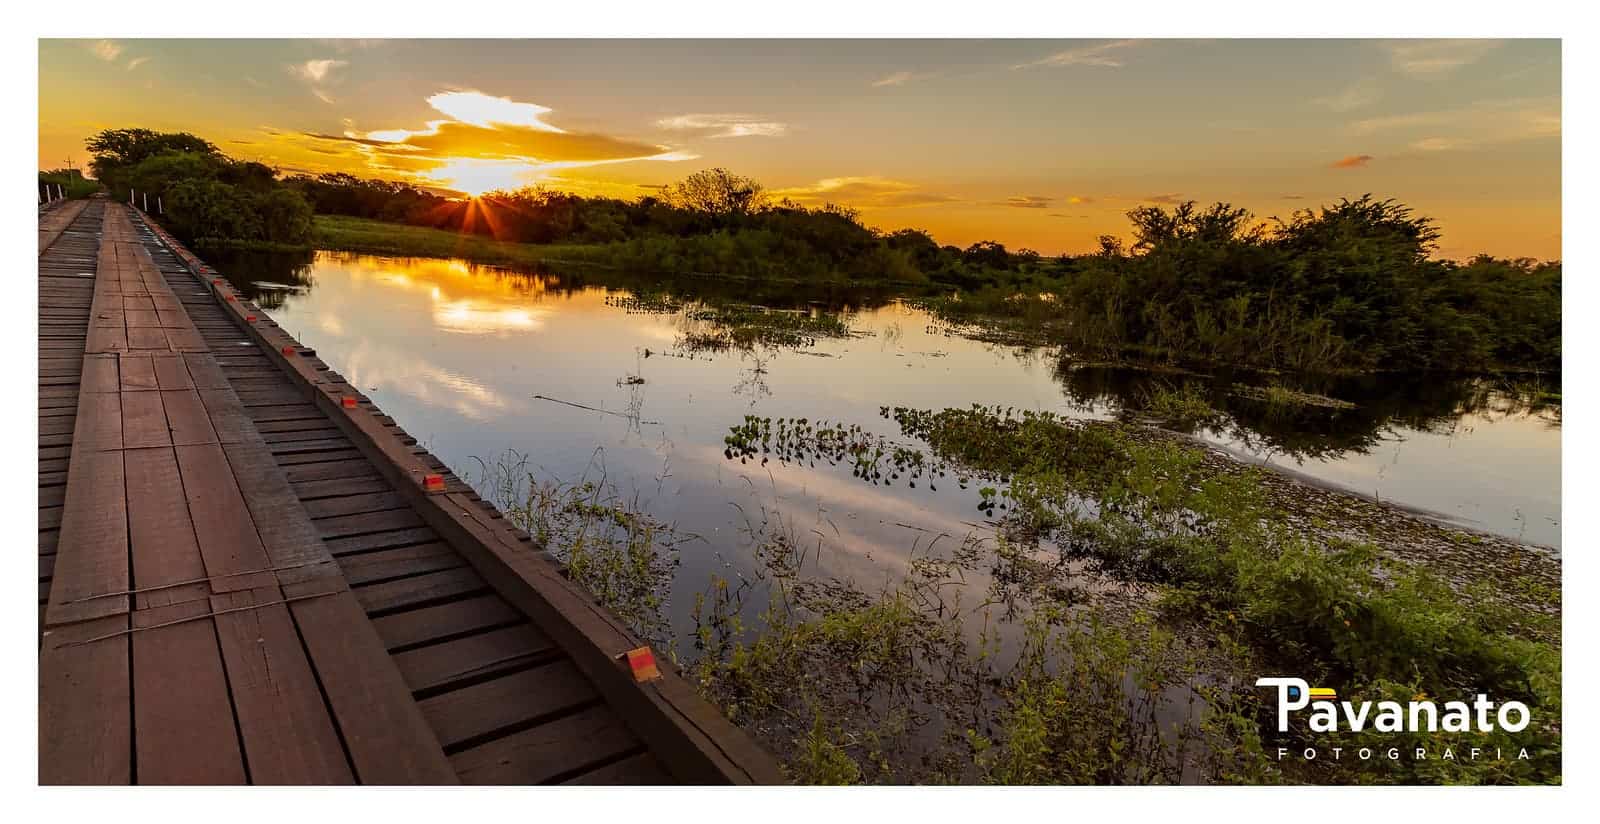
(643, 664)
(288, 350)
(433, 482)
(348, 401)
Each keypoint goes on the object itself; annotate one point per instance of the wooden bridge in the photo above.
(249, 574)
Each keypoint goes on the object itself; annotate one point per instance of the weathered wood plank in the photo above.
(421, 626)
(639, 770)
(480, 709)
(227, 535)
(283, 721)
(85, 705)
(419, 589)
(187, 417)
(388, 738)
(144, 421)
(540, 754)
(474, 656)
(182, 715)
(93, 548)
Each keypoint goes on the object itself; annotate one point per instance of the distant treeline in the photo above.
(712, 222)
(68, 183)
(1347, 287)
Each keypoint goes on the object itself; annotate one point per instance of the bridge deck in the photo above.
(245, 580)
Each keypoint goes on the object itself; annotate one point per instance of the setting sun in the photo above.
(475, 176)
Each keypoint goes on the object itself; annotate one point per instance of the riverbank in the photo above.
(353, 234)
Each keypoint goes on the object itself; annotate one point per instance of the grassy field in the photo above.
(351, 234)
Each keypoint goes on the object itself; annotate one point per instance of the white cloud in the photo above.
(106, 50)
(316, 71)
(137, 62)
(724, 125)
(900, 79)
(1104, 55)
(1437, 57)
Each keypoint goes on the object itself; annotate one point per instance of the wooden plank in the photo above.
(227, 536)
(182, 715)
(141, 318)
(144, 421)
(420, 589)
(371, 567)
(204, 372)
(368, 522)
(93, 549)
(312, 490)
(171, 372)
(481, 709)
(147, 338)
(283, 721)
(388, 739)
(474, 656)
(228, 418)
(328, 470)
(354, 504)
(85, 705)
(286, 532)
(639, 770)
(138, 372)
(541, 754)
(187, 417)
(429, 624)
(99, 421)
(161, 534)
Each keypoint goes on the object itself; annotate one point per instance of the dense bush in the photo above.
(204, 194)
(1349, 286)
(73, 185)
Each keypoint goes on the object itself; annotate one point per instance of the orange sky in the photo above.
(1040, 144)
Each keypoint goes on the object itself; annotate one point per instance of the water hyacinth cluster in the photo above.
(872, 458)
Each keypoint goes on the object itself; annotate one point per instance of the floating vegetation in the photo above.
(645, 303)
(740, 326)
(800, 441)
(1184, 407)
(1283, 396)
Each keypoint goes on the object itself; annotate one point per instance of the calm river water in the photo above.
(477, 360)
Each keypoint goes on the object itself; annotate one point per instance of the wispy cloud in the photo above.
(1437, 57)
(900, 79)
(1169, 199)
(1485, 122)
(865, 192)
(724, 125)
(317, 73)
(107, 50)
(1106, 55)
(480, 138)
(1356, 96)
(1027, 202)
(1356, 161)
(1438, 144)
(137, 62)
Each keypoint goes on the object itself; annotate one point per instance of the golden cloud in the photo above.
(1352, 161)
(864, 192)
(484, 137)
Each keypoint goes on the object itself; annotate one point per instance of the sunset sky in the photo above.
(1040, 144)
